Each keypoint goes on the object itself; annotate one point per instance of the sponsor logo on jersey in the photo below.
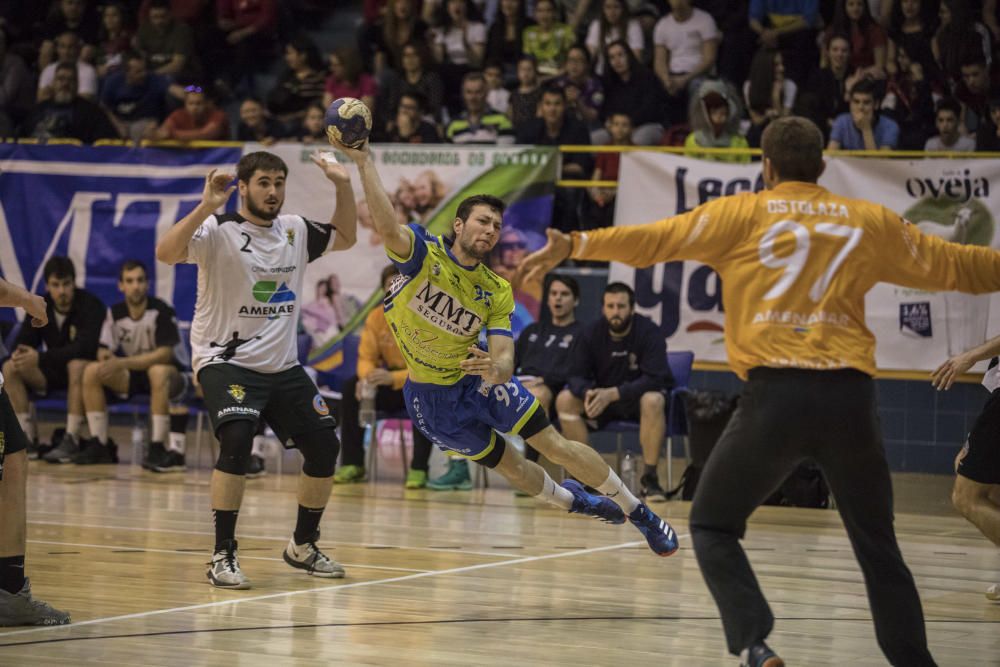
(320, 406)
(280, 300)
(445, 311)
(238, 392)
(290, 237)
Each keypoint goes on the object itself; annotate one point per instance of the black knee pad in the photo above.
(319, 449)
(235, 443)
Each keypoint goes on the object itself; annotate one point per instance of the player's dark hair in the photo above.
(251, 163)
(794, 145)
(569, 282)
(465, 208)
(130, 264)
(60, 267)
(621, 288)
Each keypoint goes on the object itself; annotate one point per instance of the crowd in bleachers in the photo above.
(703, 73)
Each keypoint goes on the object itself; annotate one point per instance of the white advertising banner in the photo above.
(916, 330)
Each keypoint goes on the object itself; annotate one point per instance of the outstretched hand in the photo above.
(948, 372)
(37, 310)
(481, 364)
(332, 169)
(359, 154)
(217, 189)
(556, 250)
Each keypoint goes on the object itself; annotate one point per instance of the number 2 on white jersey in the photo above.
(794, 262)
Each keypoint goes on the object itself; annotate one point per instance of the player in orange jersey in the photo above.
(796, 261)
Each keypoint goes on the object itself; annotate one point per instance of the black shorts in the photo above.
(627, 411)
(288, 401)
(138, 384)
(56, 378)
(12, 438)
(980, 457)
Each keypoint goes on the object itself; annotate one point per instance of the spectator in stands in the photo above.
(136, 356)
(988, 134)
(912, 25)
(959, 38)
(168, 44)
(400, 24)
(553, 126)
(497, 95)
(68, 16)
(313, 127)
(70, 339)
(550, 41)
(909, 101)
(863, 128)
(478, 123)
(615, 24)
(825, 94)
(256, 124)
(504, 38)
(686, 44)
(584, 91)
(973, 91)
(302, 83)
(788, 26)
(738, 39)
(948, 138)
(197, 120)
(135, 98)
(715, 123)
(599, 207)
(347, 80)
(417, 76)
(409, 126)
(525, 97)
(544, 349)
(17, 89)
(459, 46)
(250, 27)
(68, 53)
(380, 363)
(66, 115)
(620, 372)
(768, 93)
(867, 37)
(632, 89)
(114, 40)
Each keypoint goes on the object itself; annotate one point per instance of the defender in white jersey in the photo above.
(251, 266)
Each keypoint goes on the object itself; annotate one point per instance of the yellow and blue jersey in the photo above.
(438, 308)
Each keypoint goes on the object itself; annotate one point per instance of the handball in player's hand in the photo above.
(348, 121)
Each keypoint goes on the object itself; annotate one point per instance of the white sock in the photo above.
(74, 424)
(97, 422)
(618, 492)
(161, 427)
(258, 446)
(27, 424)
(555, 494)
(177, 442)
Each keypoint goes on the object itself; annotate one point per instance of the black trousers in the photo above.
(352, 435)
(786, 415)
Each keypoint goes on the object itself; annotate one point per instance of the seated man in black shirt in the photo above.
(542, 354)
(70, 338)
(409, 125)
(67, 115)
(620, 372)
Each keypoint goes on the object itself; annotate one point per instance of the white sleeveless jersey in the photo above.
(249, 289)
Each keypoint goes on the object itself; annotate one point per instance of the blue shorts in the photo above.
(464, 418)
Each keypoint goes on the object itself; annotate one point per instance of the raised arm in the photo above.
(12, 296)
(946, 373)
(345, 213)
(173, 247)
(396, 237)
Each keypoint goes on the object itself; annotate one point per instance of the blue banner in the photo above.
(100, 206)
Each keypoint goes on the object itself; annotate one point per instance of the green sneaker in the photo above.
(349, 475)
(456, 479)
(416, 479)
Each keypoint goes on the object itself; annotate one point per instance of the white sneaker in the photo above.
(993, 593)
(308, 557)
(224, 570)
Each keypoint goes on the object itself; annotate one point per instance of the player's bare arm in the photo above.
(495, 366)
(396, 238)
(17, 297)
(345, 213)
(946, 374)
(172, 248)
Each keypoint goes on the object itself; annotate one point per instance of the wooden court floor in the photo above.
(457, 578)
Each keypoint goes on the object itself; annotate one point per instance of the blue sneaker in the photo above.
(599, 507)
(760, 655)
(661, 537)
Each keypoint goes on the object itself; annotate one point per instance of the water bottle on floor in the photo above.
(630, 473)
(366, 408)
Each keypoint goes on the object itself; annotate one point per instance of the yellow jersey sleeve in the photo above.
(498, 323)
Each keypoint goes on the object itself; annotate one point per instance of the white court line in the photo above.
(204, 553)
(281, 539)
(323, 589)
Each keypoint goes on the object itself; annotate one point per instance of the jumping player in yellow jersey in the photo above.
(796, 261)
(463, 398)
